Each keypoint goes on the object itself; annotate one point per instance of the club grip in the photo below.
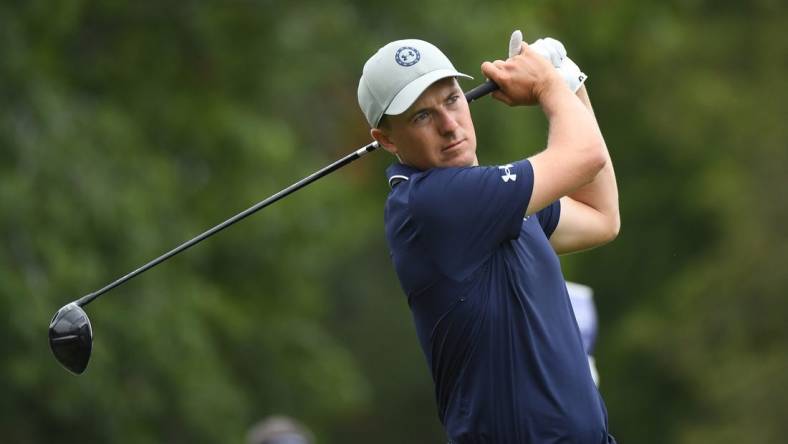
(481, 91)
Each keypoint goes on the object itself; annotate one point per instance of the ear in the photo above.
(384, 140)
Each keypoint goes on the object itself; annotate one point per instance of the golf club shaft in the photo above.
(470, 96)
(248, 212)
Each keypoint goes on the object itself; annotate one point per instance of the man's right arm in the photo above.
(575, 149)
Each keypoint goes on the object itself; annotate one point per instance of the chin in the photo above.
(458, 163)
(463, 160)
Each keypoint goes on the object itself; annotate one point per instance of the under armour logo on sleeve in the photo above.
(507, 173)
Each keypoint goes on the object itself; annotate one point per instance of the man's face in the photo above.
(436, 131)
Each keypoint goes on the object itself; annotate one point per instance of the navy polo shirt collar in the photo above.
(397, 172)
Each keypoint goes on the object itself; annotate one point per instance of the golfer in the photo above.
(475, 247)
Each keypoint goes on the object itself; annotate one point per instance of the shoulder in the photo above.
(467, 182)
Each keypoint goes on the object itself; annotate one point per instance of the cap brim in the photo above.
(411, 92)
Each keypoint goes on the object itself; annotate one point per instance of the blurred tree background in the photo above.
(129, 127)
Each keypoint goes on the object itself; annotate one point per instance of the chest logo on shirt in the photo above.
(507, 169)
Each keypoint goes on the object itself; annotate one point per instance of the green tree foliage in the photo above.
(127, 128)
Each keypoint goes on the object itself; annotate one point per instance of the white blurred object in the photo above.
(279, 429)
(594, 372)
(582, 299)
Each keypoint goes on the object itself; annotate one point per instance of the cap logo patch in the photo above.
(407, 56)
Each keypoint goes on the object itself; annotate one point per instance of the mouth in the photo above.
(453, 145)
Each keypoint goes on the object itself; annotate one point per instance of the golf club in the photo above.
(70, 332)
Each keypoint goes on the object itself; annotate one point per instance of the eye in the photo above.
(453, 99)
(420, 117)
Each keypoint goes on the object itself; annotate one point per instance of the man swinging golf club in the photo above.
(475, 247)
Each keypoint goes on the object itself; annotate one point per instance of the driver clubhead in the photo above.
(71, 337)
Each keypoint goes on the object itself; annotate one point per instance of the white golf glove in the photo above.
(554, 51)
(515, 43)
(551, 49)
(572, 75)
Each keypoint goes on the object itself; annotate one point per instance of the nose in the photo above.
(447, 122)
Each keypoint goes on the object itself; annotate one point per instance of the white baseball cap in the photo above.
(396, 76)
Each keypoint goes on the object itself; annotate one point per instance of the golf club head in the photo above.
(71, 337)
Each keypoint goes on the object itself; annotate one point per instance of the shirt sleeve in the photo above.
(462, 214)
(548, 217)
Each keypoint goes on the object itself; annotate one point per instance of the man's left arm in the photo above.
(589, 216)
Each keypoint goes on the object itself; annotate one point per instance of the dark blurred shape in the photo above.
(279, 430)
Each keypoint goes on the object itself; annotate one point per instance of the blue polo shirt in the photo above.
(490, 306)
